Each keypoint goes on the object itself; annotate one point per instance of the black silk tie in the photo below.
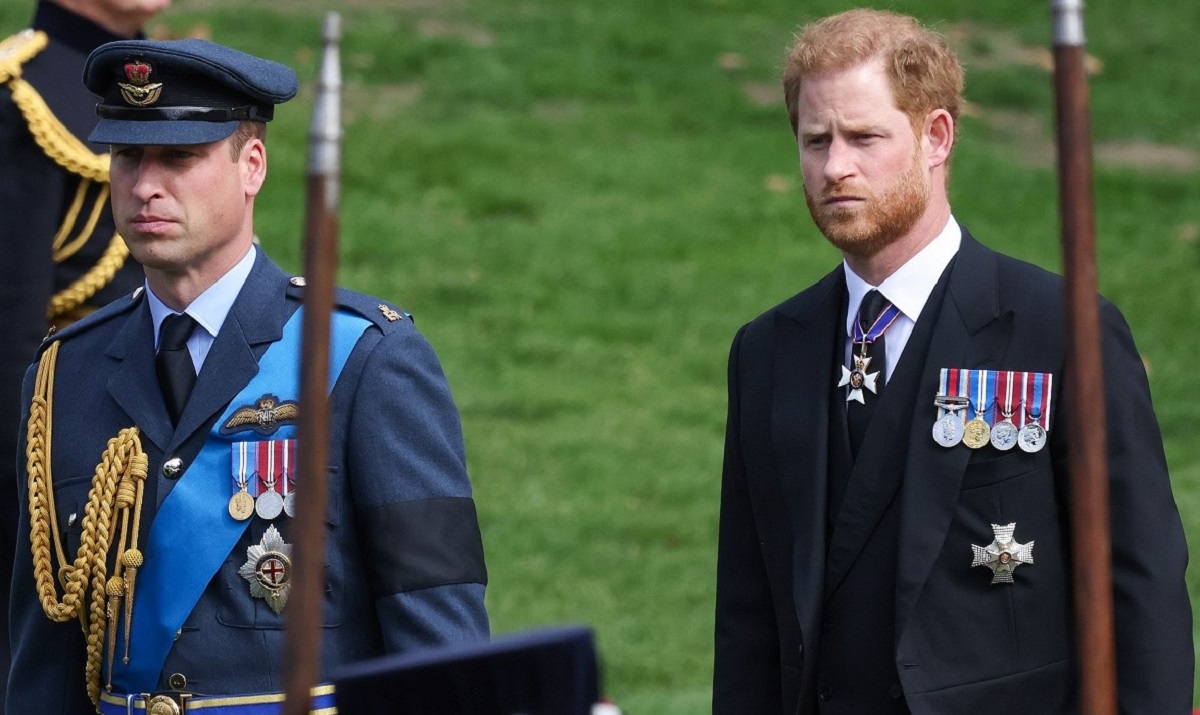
(176, 373)
(858, 416)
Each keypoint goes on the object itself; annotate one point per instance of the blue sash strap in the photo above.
(193, 533)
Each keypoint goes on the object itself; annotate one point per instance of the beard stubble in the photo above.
(864, 231)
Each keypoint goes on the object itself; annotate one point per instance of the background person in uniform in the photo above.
(203, 363)
(61, 259)
(864, 567)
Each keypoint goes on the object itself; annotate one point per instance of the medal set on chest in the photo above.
(1001, 408)
(1005, 409)
(264, 477)
(263, 483)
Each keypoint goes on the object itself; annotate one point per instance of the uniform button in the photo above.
(177, 681)
(71, 519)
(172, 468)
(297, 281)
(897, 691)
(825, 693)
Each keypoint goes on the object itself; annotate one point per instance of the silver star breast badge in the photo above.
(1004, 554)
(268, 568)
(858, 378)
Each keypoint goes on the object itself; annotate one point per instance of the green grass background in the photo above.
(581, 201)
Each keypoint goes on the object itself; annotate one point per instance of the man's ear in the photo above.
(938, 137)
(253, 163)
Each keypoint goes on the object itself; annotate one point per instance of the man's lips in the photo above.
(151, 222)
(841, 200)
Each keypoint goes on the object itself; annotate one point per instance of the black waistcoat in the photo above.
(856, 666)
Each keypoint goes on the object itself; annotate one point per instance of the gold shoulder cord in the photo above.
(73, 155)
(118, 483)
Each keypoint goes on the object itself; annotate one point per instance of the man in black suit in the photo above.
(895, 455)
(59, 256)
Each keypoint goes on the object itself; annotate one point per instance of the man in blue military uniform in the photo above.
(161, 433)
(61, 257)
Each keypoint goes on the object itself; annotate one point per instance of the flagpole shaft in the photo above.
(1083, 393)
(302, 639)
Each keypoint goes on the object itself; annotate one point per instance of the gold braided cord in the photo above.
(65, 252)
(68, 221)
(66, 150)
(117, 484)
(55, 139)
(91, 282)
(18, 49)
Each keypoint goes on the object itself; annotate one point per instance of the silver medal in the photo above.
(1032, 437)
(1004, 435)
(289, 504)
(269, 505)
(948, 431)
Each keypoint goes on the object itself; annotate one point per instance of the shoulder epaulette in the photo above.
(115, 309)
(59, 144)
(384, 315)
(16, 50)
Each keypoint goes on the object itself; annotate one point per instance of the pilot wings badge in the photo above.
(265, 417)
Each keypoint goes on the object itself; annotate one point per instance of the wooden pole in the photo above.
(302, 639)
(1086, 435)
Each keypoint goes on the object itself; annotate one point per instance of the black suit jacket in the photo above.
(963, 645)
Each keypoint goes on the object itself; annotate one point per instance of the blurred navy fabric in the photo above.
(550, 671)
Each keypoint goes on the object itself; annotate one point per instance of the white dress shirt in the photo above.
(908, 289)
(209, 309)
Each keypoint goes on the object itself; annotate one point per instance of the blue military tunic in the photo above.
(404, 560)
(40, 185)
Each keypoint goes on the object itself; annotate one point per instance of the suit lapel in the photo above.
(802, 382)
(256, 318)
(970, 331)
(877, 473)
(133, 385)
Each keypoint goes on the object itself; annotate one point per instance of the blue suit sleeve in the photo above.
(409, 481)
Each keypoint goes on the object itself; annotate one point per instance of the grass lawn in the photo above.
(581, 202)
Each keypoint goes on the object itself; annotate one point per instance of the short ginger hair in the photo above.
(923, 71)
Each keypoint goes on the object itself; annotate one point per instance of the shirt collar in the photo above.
(211, 307)
(910, 286)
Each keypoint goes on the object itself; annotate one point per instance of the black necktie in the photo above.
(858, 416)
(176, 373)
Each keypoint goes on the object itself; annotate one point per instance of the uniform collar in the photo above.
(212, 306)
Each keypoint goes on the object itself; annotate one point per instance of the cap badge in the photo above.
(139, 91)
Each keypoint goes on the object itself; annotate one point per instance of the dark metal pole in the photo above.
(1086, 436)
(302, 640)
